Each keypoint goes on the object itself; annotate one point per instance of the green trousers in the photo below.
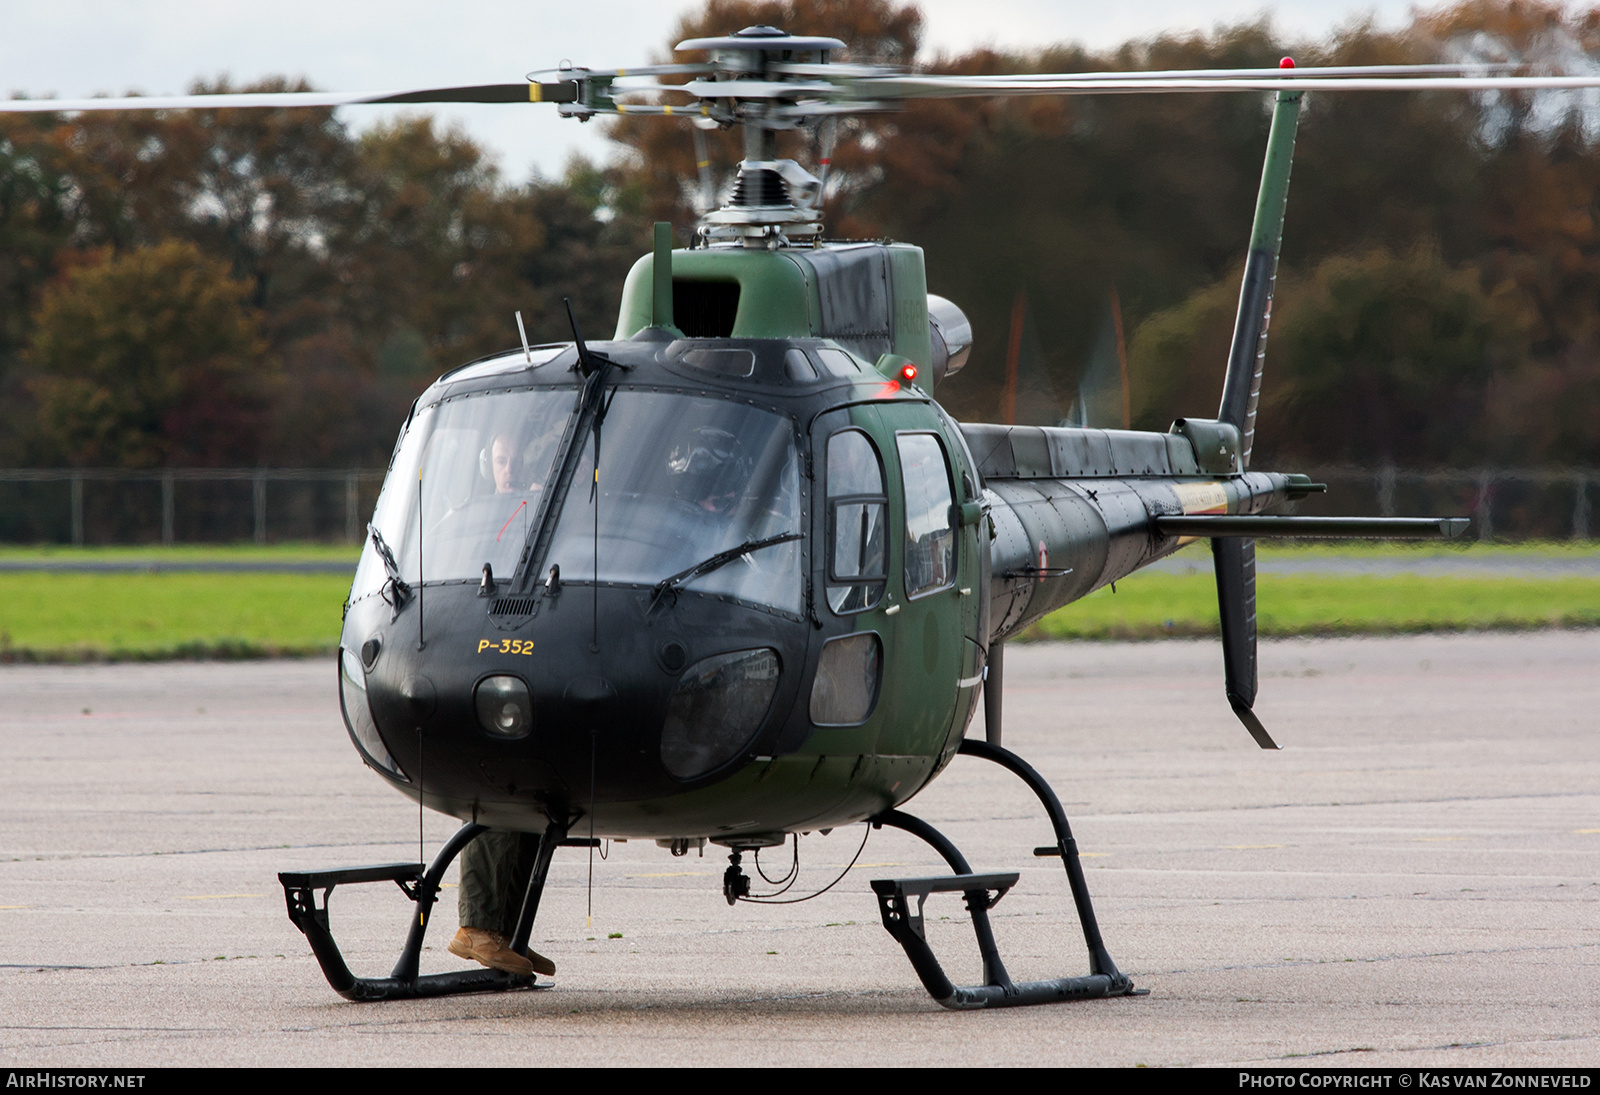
(495, 869)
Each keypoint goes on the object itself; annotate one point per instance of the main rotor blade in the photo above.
(833, 89)
(846, 70)
(564, 91)
(957, 87)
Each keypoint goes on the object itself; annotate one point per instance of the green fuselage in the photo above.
(771, 608)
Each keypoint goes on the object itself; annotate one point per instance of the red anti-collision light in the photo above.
(1287, 62)
(908, 372)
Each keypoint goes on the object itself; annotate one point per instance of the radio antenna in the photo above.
(527, 354)
(586, 361)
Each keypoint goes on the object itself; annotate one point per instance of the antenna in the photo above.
(827, 133)
(586, 362)
(527, 354)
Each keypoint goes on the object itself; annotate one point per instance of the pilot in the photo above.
(709, 470)
(500, 463)
(501, 458)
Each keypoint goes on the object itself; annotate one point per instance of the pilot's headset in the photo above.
(709, 469)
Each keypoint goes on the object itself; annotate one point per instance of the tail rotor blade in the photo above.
(1235, 562)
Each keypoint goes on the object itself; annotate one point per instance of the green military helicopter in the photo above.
(733, 574)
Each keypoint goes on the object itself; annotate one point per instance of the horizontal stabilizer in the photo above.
(1363, 528)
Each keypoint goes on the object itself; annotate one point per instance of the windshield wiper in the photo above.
(597, 370)
(401, 591)
(717, 561)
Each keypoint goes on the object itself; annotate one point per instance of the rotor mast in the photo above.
(774, 202)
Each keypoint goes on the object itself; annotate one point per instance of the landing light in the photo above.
(505, 709)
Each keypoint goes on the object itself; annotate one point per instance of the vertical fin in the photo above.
(1235, 559)
(1242, 388)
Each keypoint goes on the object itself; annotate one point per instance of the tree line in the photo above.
(267, 287)
(233, 287)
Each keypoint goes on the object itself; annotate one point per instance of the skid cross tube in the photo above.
(895, 897)
(404, 982)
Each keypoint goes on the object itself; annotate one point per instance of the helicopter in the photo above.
(733, 574)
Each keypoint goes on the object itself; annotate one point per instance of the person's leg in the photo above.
(489, 869)
(495, 869)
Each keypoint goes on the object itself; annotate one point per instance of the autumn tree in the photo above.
(147, 358)
(34, 224)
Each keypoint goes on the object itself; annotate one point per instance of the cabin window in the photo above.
(848, 674)
(682, 480)
(857, 515)
(930, 536)
(716, 709)
(797, 366)
(721, 360)
(465, 485)
(705, 309)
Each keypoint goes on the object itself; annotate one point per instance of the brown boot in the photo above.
(493, 950)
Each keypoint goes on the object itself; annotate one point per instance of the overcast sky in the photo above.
(85, 47)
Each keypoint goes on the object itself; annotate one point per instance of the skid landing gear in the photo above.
(404, 982)
(900, 901)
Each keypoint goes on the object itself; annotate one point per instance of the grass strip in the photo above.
(1157, 605)
(1409, 549)
(56, 616)
(167, 615)
(292, 552)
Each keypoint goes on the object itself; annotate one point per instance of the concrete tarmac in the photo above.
(1413, 881)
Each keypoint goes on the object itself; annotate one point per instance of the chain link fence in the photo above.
(185, 505)
(1504, 503)
(221, 505)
